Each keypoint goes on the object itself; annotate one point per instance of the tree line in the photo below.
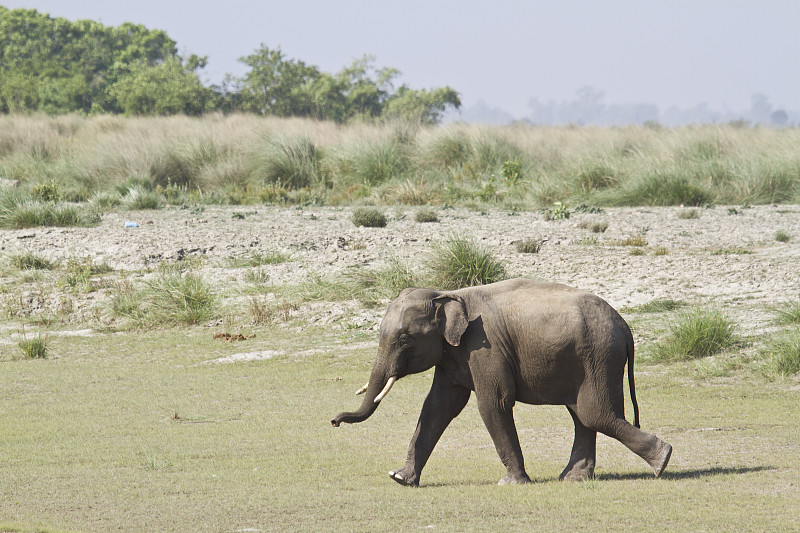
(57, 66)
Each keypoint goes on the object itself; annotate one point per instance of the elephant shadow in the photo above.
(691, 473)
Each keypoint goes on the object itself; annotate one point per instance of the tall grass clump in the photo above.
(376, 162)
(659, 189)
(287, 161)
(461, 262)
(33, 347)
(447, 148)
(783, 355)
(789, 313)
(386, 282)
(697, 334)
(18, 211)
(169, 299)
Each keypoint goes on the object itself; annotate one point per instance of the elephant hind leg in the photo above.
(646, 445)
(584, 449)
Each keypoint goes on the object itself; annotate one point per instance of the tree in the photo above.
(167, 88)
(425, 106)
(276, 85)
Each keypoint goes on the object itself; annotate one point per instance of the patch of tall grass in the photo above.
(246, 159)
(697, 334)
(461, 262)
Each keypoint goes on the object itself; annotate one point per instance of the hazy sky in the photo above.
(666, 52)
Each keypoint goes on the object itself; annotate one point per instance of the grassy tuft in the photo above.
(30, 261)
(689, 214)
(426, 215)
(461, 262)
(34, 348)
(256, 259)
(657, 306)
(782, 236)
(529, 246)
(697, 334)
(789, 313)
(783, 355)
(368, 217)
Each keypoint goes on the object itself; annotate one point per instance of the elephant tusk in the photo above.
(385, 390)
(363, 389)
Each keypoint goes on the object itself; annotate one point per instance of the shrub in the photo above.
(559, 211)
(106, 199)
(426, 215)
(460, 262)
(688, 214)
(782, 236)
(368, 217)
(697, 334)
(599, 227)
(529, 246)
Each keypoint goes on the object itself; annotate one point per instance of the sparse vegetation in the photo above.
(782, 236)
(30, 261)
(783, 355)
(34, 347)
(697, 334)
(426, 215)
(689, 214)
(529, 246)
(789, 313)
(656, 306)
(460, 262)
(368, 217)
(257, 259)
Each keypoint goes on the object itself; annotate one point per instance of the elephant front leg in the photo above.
(443, 403)
(499, 420)
(584, 449)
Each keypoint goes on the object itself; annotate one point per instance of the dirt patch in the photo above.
(725, 257)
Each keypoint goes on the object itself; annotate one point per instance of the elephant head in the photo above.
(418, 324)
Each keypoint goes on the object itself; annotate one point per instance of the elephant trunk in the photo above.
(376, 390)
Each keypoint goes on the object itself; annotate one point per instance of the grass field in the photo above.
(137, 431)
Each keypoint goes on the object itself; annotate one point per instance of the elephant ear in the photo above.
(451, 315)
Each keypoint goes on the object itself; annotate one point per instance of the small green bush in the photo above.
(459, 262)
(368, 217)
(559, 211)
(697, 334)
(426, 215)
(182, 299)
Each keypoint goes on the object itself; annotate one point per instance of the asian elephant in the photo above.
(512, 341)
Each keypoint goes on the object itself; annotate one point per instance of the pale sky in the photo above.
(504, 52)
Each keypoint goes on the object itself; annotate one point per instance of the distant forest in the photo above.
(57, 66)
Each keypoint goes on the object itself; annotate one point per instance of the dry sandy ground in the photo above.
(703, 263)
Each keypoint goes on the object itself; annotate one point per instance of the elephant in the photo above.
(512, 341)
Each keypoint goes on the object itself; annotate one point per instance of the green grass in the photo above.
(256, 259)
(529, 246)
(789, 313)
(461, 262)
(33, 347)
(30, 261)
(147, 437)
(696, 334)
(656, 306)
(425, 215)
(783, 355)
(18, 212)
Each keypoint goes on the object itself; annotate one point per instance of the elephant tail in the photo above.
(631, 381)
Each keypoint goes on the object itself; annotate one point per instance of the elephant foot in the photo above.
(661, 458)
(405, 476)
(577, 472)
(515, 480)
